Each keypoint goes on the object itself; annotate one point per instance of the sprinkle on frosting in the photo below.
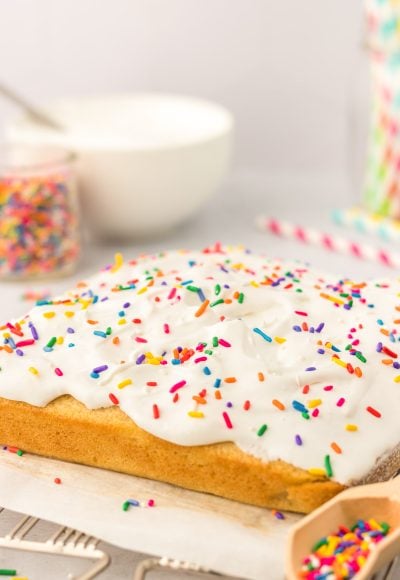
(223, 345)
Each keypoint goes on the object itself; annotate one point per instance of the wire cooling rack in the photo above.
(70, 543)
(63, 542)
(392, 572)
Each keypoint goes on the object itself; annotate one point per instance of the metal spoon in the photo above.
(35, 113)
(380, 501)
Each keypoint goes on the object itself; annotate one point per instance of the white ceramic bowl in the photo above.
(146, 161)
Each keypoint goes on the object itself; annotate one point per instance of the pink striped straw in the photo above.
(328, 242)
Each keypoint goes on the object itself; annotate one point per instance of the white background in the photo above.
(291, 71)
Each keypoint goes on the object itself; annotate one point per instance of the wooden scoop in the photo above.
(380, 501)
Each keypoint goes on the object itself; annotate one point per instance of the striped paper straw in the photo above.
(328, 242)
(368, 223)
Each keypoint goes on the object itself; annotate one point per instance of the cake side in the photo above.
(65, 429)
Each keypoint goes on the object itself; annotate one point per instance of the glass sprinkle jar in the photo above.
(39, 212)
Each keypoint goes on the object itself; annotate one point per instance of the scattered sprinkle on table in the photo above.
(137, 503)
(12, 449)
(35, 295)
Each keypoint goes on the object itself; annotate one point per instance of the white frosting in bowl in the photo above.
(224, 345)
(132, 122)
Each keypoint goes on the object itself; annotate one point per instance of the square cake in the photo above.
(219, 371)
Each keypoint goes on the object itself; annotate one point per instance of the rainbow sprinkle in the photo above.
(39, 229)
(343, 553)
(137, 503)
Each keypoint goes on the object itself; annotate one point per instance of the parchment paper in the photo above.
(219, 534)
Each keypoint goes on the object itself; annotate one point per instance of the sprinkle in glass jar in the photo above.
(39, 213)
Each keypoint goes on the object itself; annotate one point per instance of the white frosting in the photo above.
(158, 291)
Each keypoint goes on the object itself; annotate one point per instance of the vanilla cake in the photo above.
(219, 371)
